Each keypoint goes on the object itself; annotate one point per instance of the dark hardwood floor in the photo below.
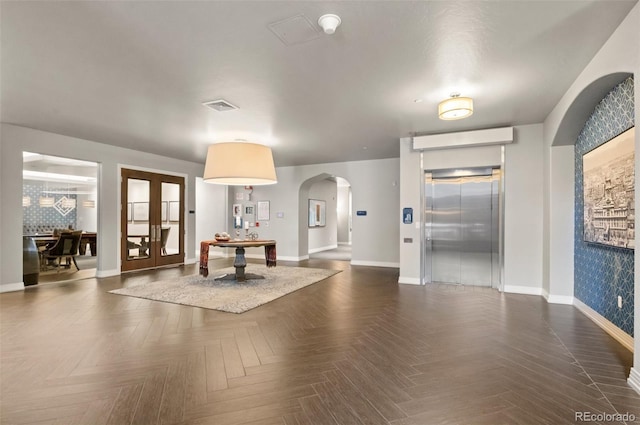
(356, 348)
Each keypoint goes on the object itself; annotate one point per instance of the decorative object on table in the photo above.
(198, 291)
(608, 181)
(222, 236)
(317, 213)
(240, 164)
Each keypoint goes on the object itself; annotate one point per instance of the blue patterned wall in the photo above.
(602, 273)
(34, 215)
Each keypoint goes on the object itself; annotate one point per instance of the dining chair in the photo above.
(66, 247)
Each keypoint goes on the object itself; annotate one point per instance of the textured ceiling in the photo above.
(134, 74)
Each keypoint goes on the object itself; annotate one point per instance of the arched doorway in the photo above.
(325, 220)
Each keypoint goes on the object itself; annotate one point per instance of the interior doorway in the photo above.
(59, 203)
(152, 220)
(329, 219)
(462, 227)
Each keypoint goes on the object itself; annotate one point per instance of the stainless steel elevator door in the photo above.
(446, 230)
(475, 219)
(461, 229)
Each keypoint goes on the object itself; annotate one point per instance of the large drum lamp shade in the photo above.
(239, 164)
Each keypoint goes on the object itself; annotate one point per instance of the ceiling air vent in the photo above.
(220, 105)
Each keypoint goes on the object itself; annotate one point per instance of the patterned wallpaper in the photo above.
(603, 273)
(35, 215)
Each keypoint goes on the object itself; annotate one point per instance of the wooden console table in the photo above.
(240, 261)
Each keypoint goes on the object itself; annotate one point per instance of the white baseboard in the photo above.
(323, 248)
(557, 299)
(524, 290)
(409, 280)
(12, 287)
(375, 264)
(344, 243)
(634, 379)
(107, 273)
(302, 258)
(618, 334)
(191, 261)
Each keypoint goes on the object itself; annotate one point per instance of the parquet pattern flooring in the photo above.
(356, 348)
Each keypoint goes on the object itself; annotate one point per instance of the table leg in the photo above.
(240, 262)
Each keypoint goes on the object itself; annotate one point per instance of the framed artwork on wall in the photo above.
(237, 210)
(174, 211)
(140, 211)
(263, 211)
(317, 213)
(608, 185)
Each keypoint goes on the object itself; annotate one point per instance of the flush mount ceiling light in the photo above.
(239, 164)
(329, 23)
(455, 108)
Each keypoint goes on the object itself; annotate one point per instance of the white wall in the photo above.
(523, 211)
(16, 139)
(87, 218)
(211, 213)
(343, 211)
(324, 238)
(411, 176)
(561, 224)
(522, 199)
(375, 189)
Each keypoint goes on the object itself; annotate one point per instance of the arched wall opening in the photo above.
(324, 214)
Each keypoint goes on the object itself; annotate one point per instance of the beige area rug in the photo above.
(229, 296)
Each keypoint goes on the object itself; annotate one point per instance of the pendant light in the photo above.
(239, 164)
(46, 201)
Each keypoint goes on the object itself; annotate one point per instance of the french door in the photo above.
(152, 220)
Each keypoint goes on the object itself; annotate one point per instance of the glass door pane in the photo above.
(171, 227)
(138, 228)
(137, 220)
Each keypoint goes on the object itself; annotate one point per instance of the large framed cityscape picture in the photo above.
(608, 182)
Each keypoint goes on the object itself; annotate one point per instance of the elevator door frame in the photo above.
(426, 229)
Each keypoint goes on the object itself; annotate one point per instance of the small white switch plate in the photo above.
(619, 301)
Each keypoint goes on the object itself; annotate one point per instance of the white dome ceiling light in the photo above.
(329, 23)
(455, 108)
